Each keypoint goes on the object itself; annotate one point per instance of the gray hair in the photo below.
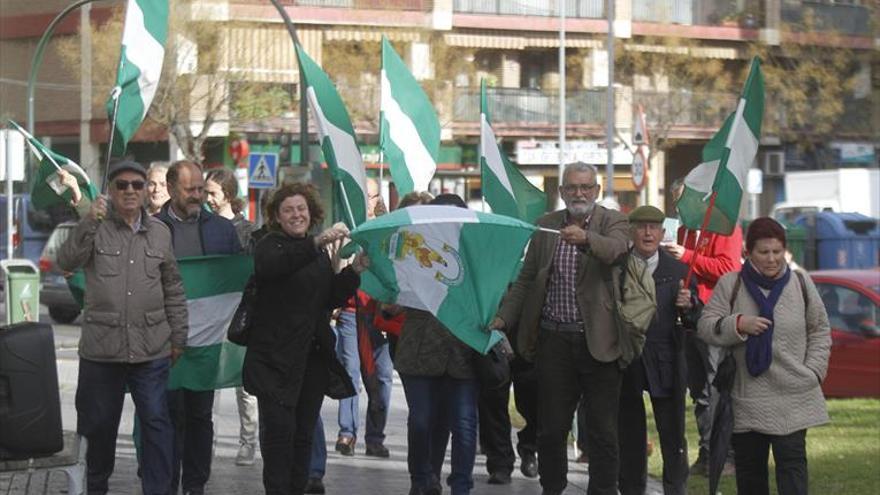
(161, 167)
(579, 167)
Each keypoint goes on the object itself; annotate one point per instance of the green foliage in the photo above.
(255, 101)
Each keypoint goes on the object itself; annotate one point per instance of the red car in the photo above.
(852, 300)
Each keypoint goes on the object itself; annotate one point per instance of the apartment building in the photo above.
(450, 45)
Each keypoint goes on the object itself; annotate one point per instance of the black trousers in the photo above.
(752, 451)
(192, 415)
(525, 397)
(287, 431)
(632, 435)
(566, 370)
(495, 429)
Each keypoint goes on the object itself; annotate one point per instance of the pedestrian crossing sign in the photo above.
(262, 170)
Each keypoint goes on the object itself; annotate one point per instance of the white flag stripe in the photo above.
(432, 214)
(743, 146)
(489, 149)
(146, 53)
(348, 155)
(702, 177)
(209, 318)
(406, 137)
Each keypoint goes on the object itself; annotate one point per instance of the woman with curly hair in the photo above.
(291, 360)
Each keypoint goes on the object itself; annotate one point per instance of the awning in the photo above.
(501, 42)
(718, 52)
(265, 52)
(374, 35)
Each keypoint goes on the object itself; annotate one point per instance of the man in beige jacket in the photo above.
(560, 307)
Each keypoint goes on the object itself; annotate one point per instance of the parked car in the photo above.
(852, 300)
(54, 292)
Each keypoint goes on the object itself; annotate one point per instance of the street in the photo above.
(349, 475)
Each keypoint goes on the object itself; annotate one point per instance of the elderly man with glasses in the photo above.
(134, 326)
(560, 309)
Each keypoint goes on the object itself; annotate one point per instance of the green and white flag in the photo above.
(725, 164)
(47, 189)
(409, 132)
(338, 141)
(452, 262)
(213, 286)
(505, 188)
(140, 66)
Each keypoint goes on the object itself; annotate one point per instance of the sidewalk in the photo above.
(358, 475)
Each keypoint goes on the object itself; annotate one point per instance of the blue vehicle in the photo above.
(31, 228)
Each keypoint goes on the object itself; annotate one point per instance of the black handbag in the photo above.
(243, 319)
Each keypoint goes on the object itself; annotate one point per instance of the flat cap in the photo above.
(126, 165)
(646, 214)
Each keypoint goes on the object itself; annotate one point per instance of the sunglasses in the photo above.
(122, 185)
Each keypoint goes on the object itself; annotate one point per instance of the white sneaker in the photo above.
(245, 455)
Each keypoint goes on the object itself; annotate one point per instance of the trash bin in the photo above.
(22, 284)
(844, 240)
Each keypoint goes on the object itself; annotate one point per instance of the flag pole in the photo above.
(117, 90)
(347, 204)
(706, 217)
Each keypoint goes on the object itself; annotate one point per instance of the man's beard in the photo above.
(580, 209)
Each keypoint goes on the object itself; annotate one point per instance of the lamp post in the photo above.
(303, 95)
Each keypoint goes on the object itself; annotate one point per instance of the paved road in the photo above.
(345, 475)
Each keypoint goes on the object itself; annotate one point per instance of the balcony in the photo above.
(685, 108)
(695, 12)
(664, 11)
(853, 20)
(530, 106)
(412, 5)
(585, 9)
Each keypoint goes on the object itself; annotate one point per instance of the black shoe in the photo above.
(499, 478)
(528, 464)
(435, 489)
(700, 467)
(314, 485)
(377, 450)
(345, 445)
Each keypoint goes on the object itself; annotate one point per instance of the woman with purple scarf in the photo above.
(774, 323)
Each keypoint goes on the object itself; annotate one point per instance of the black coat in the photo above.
(663, 355)
(296, 291)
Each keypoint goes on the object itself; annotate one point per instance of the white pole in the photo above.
(10, 200)
(561, 93)
(609, 119)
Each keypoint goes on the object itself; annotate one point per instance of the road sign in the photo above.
(262, 170)
(639, 169)
(640, 129)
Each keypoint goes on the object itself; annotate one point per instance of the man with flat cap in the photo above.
(661, 368)
(134, 326)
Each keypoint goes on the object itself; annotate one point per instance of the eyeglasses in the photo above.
(573, 188)
(122, 185)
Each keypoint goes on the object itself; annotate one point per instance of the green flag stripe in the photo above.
(212, 275)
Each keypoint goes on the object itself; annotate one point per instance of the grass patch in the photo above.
(842, 456)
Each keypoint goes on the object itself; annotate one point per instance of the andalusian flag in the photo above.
(213, 286)
(505, 188)
(337, 137)
(47, 189)
(409, 131)
(140, 65)
(727, 157)
(452, 262)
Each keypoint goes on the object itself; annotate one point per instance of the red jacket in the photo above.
(717, 255)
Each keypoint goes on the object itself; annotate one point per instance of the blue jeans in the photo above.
(347, 352)
(99, 396)
(378, 389)
(438, 405)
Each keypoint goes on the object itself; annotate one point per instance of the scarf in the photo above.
(759, 348)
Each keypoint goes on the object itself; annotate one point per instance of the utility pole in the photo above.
(609, 118)
(562, 5)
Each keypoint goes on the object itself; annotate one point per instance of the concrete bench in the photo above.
(71, 460)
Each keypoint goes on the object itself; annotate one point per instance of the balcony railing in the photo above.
(589, 9)
(665, 11)
(684, 108)
(516, 105)
(416, 5)
(839, 18)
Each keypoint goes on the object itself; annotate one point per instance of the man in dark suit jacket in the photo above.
(661, 369)
(560, 309)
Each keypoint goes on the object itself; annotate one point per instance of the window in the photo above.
(848, 310)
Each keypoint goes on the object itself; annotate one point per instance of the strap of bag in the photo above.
(800, 277)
